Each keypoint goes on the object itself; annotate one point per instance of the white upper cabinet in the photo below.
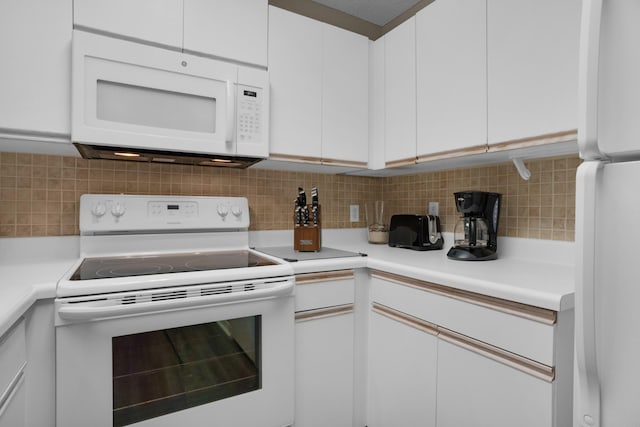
(451, 60)
(319, 91)
(345, 97)
(400, 93)
(35, 76)
(295, 72)
(227, 28)
(158, 21)
(376, 104)
(532, 67)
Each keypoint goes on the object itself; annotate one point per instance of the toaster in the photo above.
(417, 232)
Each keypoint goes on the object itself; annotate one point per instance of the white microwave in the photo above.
(144, 103)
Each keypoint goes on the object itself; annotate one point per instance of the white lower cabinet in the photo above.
(12, 411)
(324, 371)
(402, 374)
(439, 356)
(474, 390)
(325, 349)
(13, 361)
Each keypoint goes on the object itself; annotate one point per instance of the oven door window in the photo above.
(160, 372)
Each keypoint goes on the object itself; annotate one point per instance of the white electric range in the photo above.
(169, 318)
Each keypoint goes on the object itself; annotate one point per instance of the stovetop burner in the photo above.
(127, 266)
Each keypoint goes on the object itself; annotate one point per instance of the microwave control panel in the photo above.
(249, 114)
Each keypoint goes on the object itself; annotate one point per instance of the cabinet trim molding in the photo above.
(478, 149)
(12, 388)
(402, 162)
(542, 315)
(292, 158)
(549, 138)
(321, 313)
(349, 163)
(528, 366)
(306, 278)
(316, 160)
(404, 318)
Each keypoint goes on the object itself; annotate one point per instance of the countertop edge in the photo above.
(19, 297)
(20, 304)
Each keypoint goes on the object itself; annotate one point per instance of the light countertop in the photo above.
(29, 271)
(534, 272)
(528, 271)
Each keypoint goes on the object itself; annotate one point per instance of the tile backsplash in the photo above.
(39, 194)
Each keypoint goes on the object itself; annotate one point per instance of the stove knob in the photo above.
(117, 210)
(223, 211)
(99, 209)
(236, 211)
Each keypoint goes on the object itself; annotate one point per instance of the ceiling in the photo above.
(378, 12)
(371, 18)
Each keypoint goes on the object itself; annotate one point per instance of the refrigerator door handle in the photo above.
(587, 392)
(588, 80)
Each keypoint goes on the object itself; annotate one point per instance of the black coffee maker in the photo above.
(476, 232)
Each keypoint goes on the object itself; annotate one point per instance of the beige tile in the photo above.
(49, 187)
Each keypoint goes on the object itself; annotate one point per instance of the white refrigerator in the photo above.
(607, 368)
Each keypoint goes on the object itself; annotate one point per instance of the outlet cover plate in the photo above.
(354, 213)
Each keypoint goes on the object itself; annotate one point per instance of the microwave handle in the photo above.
(231, 111)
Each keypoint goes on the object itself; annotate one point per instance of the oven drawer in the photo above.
(325, 289)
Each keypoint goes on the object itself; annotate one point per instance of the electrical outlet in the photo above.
(434, 208)
(354, 213)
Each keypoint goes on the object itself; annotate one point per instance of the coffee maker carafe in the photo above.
(476, 232)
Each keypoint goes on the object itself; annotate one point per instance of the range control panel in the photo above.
(110, 213)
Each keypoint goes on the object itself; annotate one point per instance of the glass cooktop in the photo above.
(127, 266)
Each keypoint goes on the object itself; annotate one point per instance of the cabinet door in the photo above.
(532, 67)
(451, 60)
(158, 21)
(402, 375)
(227, 28)
(400, 93)
(474, 390)
(345, 96)
(376, 104)
(35, 82)
(295, 71)
(324, 371)
(13, 356)
(12, 411)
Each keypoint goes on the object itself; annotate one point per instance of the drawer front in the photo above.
(13, 404)
(327, 289)
(528, 333)
(13, 354)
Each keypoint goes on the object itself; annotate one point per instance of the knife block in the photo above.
(307, 238)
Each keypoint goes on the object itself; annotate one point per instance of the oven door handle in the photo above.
(116, 307)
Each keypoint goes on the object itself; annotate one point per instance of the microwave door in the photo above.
(130, 95)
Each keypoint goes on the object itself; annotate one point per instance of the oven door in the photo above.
(231, 362)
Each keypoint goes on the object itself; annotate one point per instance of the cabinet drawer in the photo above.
(13, 354)
(518, 328)
(326, 289)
